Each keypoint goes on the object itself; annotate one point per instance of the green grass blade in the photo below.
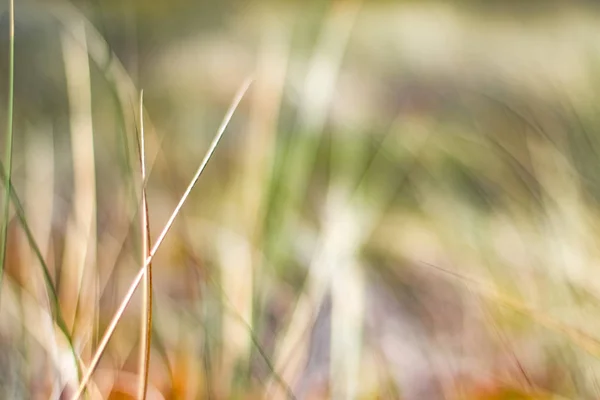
(53, 296)
(9, 136)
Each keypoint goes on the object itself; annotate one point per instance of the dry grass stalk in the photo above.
(128, 296)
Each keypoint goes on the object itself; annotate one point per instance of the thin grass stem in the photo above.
(146, 243)
(9, 137)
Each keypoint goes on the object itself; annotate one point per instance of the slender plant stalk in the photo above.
(9, 136)
(113, 324)
(146, 243)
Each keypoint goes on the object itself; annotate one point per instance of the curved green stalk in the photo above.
(53, 296)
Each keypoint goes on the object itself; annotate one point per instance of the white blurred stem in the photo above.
(79, 274)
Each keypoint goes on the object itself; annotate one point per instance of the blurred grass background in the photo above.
(404, 206)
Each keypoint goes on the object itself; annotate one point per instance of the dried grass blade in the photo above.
(111, 328)
(146, 243)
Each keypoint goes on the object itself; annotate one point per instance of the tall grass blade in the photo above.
(80, 279)
(146, 243)
(9, 136)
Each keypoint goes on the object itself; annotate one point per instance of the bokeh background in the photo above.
(404, 205)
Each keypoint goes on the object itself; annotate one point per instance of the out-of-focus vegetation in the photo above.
(405, 204)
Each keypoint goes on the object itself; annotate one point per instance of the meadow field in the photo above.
(299, 200)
